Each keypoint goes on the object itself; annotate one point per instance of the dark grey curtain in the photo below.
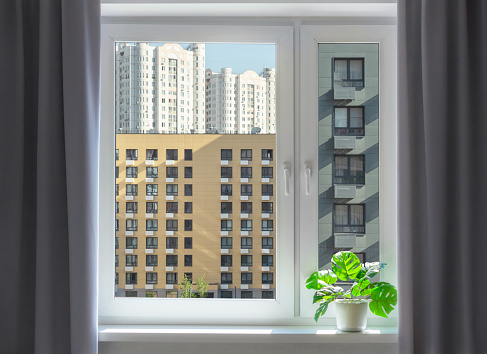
(442, 176)
(49, 104)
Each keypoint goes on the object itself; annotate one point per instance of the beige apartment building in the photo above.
(195, 204)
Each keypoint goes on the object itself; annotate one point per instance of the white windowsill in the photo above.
(249, 334)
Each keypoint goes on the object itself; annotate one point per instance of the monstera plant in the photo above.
(380, 296)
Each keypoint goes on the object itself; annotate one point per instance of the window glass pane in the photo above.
(340, 117)
(356, 117)
(356, 69)
(340, 69)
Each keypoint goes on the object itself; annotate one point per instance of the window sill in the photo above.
(250, 334)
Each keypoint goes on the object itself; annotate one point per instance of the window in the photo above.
(246, 260)
(116, 260)
(171, 242)
(246, 225)
(246, 207)
(267, 278)
(188, 207)
(171, 172)
(226, 154)
(188, 155)
(349, 218)
(226, 189)
(267, 260)
(226, 207)
(151, 225)
(152, 172)
(267, 225)
(266, 294)
(267, 207)
(131, 154)
(172, 207)
(131, 207)
(246, 278)
(226, 261)
(171, 225)
(116, 172)
(349, 121)
(116, 243)
(117, 189)
(246, 189)
(267, 154)
(131, 293)
(151, 278)
(151, 243)
(267, 190)
(246, 154)
(188, 225)
(170, 293)
(226, 225)
(151, 189)
(131, 278)
(116, 208)
(266, 172)
(267, 243)
(151, 260)
(226, 242)
(131, 260)
(132, 189)
(171, 260)
(226, 172)
(151, 154)
(172, 154)
(349, 169)
(349, 72)
(172, 189)
(116, 225)
(225, 294)
(188, 172)
(132, 172)
(131, 225)
(172, 278)
(226, 278)
(246, 243)
(116, 155)
(151, 207)
(131, 243)
(246, 172)
(188, 189)
(188, 242)
(188, 261)
(189, 276)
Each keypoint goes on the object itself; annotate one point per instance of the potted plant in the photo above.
(351, 305)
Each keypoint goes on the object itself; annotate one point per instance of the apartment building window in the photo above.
(131, 243)
(116, 225)
(172, 189)
(267, 260)
(349, 121)
(117, 172)
(349, 218)
(171, 242)
(349, 72)
(188, 242)
(267, 190)
(246, 242)
(116, 260)
(226, 172)
(131, 260)
(267, 172)
(116, 208)
(131, 154)
(151, 189)
(171, 225)
(226, 207)
(188, 190)
(188, 155)
(226, 225)
(226, 260)
(266, 294)
(188, 207)
(151, 278)
(151, 225)
(188, 261)
(226, 154)
(171, 260)
(226, 189)
(246, 189)
(131, 224)
(172, 207)
(267, 243)
(246, 207)
(246, 154)
(226, 278)
(267, 154)
(246, 260)
(131, 207)
(246, 278)
(226, 294)
(188, 172)
(267, 225)
(117, 189)
(172, 154)
(152, 172)
(246, 225)
(116, 278)
(151, 243)
(131, 293)
(116, 155)
(246, 172)
(151, 207)
(132, 172)
(131, 189)
(188, 225)
(116, 243)
(151, 260)
(350, 169)
(267, 278)
(267, 207)
(226, 242)
(172, 278)
(171, 172)
(151, 154)
(131, 279)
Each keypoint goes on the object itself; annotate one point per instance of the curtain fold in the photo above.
(442, 163)
(49, 137)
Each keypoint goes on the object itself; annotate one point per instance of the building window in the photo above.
(226, 294)
(267, 154)
(188, 225)
(151, 207)
(267, 207)
(267, 260)
(188, 261)
(226, 225)
(151, 154)
(226, 261)
(132, 172)
(267, 190)
(151, 189)
(350, 169)
(188, 242)
(131, 278)
(131, 224)
(349, 121)
(171, 242)
(172, 278)
(246, 260)
(131, 260)
(116, 243)
(267, 243)
(246, 189)
(226, 154)
(116, 154)
(246, 242)
(246, 278)
(131, 189)
(117, 189)
(172, 207)
(226, 278)
(171, 293)
(151, 260)
(131, 293)
(349, 72)
(266, 294)
(151, 225)
(226, 242)
(226, 172)
(131, 154)
(152, 172)
(246, 207)
(171, 260)
(267, 172)
(188, 155)
(172, 154)
(267, 225)
(131, 243)
(172, 189)
(116, 278)
(116, 260)
(226, 207)
(246, 225)
(171, 225)
(188, 172)
(171, 172)
(151, 243)
(267, 278)
(151, 278)
(116, 225)
(226, 189)
(246, 172)
(116, 208)
(117, 172)
(188, 207)
(188, 190)
(349, 218)
(246, 154)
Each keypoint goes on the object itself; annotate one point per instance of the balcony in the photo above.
(343, 93)
(345, 191)
(349, 240)
(344, 142)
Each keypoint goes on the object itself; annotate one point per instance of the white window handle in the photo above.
(307, 177)
(287, 175)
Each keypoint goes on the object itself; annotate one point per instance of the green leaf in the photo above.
(345, 265)
(318, 296)
(384, 298)
(359, 287)
(321, 279)
(321, 310)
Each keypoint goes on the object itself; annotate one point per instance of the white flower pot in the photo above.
(351, 316)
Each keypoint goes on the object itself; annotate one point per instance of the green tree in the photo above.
(186, 288)
(202, 286)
